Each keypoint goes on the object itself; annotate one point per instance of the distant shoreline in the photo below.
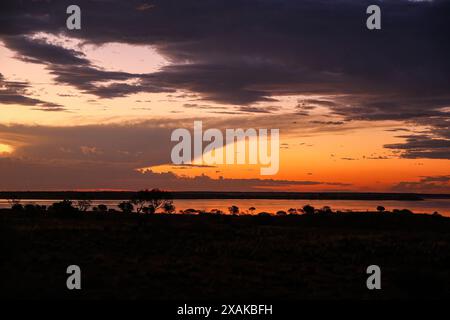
(120, 195)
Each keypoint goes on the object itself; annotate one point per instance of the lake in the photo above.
(269, 205)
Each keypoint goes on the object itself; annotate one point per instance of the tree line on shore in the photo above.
(147, 202)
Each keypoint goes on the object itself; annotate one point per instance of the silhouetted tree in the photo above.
(13, 200)
(406, 211)
(30, 208)
(281, 213)
(326, 210)
(381, 209)
(102, 208)
(233, 210)
(148, 210)
(17, 207)
(84, 205)
(126, 206)
(308, 209)
(292, 211)
(64, 207)
(169, 207)
(252, 210)
(139, 200)
(33, 209)
(150, 201)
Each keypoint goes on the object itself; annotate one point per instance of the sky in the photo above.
(93, 109)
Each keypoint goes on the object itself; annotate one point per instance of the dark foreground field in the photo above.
(166, 257)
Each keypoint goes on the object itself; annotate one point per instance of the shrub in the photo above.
(308, 209)
(190, 211)
(406, 211)
(84, 205)
(326, 210)
(17, 207)
(102, 207)
(126, 206)
(216, 211)
(233, 210)
(64, 207)
(150, 201)
(169, 207)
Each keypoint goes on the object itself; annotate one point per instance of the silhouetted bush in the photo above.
(233, 210)
(190, 211)
(150, 201)
(169, 207)
(281, 213)
(63, 208)
(308, 209)
(13, 200)
(148, 210)
(34, 209)
(84, 205)
(325, 210)
(102, 208)
(17, 207)
(126, 207)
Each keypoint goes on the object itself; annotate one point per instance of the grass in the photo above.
(173, 257)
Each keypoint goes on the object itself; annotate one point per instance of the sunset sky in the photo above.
(358, 110)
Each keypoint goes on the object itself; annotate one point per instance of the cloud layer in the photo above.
(241, 53)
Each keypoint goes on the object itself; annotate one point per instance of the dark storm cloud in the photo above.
(136, 145)
(243, 52)
(436, 179)
(423, 146)
(250, 109)
(332, 123)
(23, 174)
(71, 68)
(247, 51)
(396, 107)
(14, 92)
(89, 79)
(309, 103)
(40, 51)
(398, 129)
(87, 157)
(436, 184)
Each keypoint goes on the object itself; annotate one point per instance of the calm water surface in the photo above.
(427, 206)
